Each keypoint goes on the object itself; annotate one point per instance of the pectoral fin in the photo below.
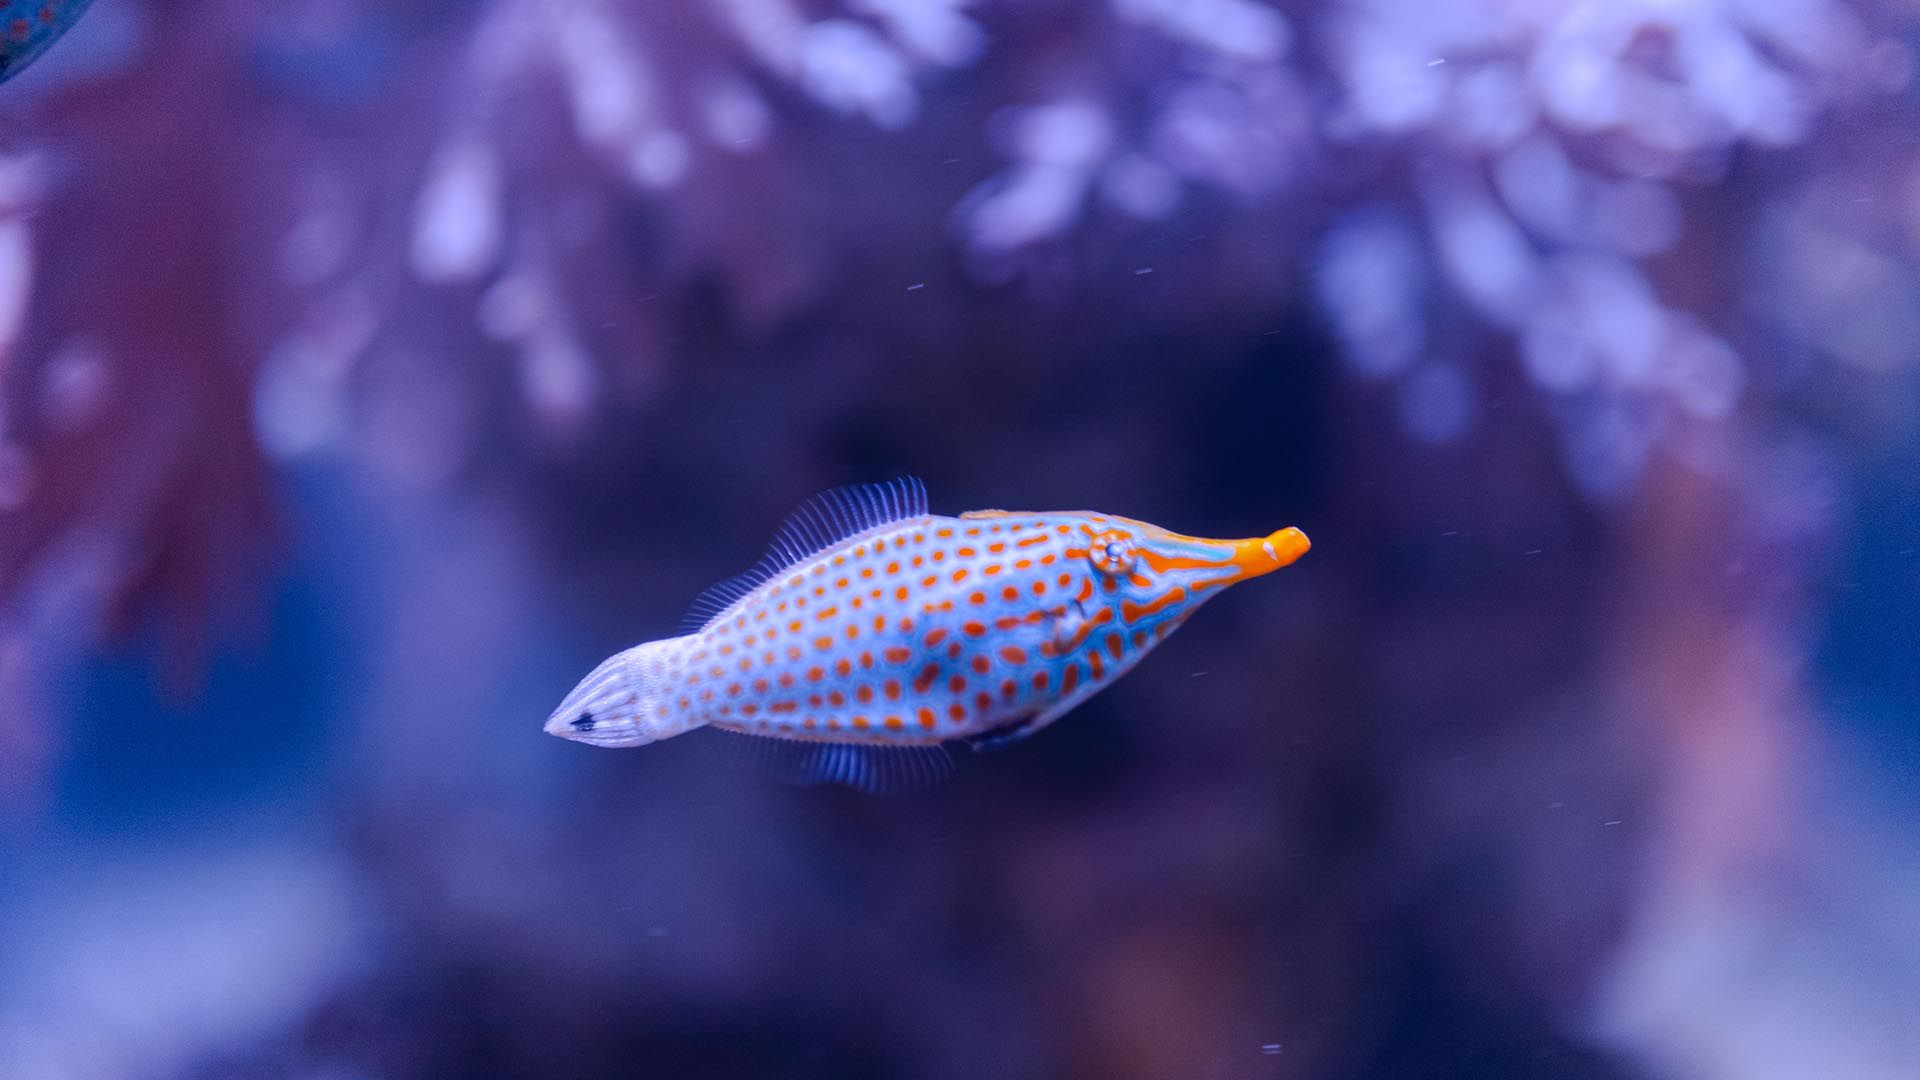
(1004, 735)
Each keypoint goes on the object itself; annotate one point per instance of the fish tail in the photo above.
(629, 700)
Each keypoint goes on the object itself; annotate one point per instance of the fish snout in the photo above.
(1265, 554)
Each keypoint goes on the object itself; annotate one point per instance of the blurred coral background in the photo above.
(370, 369)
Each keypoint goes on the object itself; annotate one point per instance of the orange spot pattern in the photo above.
(948, 658)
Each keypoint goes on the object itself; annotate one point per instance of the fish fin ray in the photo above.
(819, 523)
(876, 770)
(870, 768)
(716, 598)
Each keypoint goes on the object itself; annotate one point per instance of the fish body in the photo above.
(27, 28)
(872, 621)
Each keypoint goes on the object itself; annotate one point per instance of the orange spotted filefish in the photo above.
(27, 27)
(873, 632)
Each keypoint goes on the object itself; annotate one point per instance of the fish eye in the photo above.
(1112, 553)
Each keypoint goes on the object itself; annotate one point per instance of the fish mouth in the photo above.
(1241, 560)
(1261, 555)
(1264, 555)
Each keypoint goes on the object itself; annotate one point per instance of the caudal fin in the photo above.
(625, 701)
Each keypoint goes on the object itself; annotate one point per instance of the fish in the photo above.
(873, 633)
(27, 27)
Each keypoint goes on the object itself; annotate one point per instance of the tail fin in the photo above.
(625, 701)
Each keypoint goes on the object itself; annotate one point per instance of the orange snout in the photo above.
(1246, 558)
(1265, 554)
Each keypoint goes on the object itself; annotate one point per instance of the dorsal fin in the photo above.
(819, 523)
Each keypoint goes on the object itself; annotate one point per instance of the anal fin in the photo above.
(877, 769)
